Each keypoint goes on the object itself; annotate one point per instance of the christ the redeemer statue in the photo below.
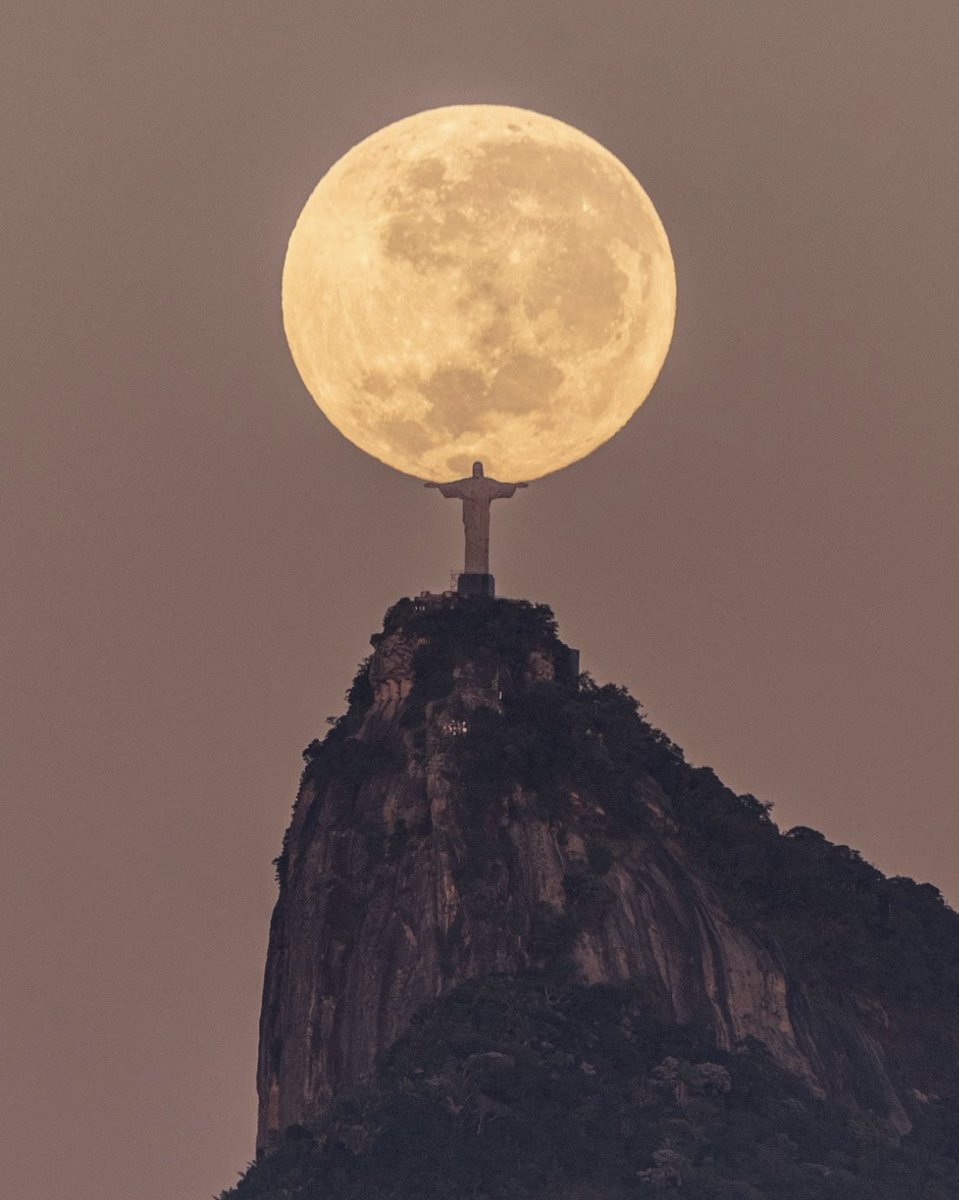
(477, 493)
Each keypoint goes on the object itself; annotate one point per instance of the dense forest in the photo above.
(531, 1087)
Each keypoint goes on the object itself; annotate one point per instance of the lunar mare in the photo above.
(478, 282)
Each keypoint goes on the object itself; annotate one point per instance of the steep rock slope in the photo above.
(481, 809)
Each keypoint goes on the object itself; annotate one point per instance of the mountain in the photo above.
(523, 949)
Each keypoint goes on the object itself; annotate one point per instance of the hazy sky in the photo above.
(193, 559)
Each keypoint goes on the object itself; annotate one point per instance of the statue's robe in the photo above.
(477, 492)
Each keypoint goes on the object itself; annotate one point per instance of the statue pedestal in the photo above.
(476, 585)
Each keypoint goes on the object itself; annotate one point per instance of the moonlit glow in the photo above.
(479, 282)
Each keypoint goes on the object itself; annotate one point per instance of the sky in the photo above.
(193, 559)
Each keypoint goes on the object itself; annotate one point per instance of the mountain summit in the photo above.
(487, 844)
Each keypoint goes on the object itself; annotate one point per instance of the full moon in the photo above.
(479, 282)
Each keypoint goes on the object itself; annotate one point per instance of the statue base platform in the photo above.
(476, 585)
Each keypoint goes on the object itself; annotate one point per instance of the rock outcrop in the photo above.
(469, 816)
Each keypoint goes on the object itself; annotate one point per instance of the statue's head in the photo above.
(477, 469)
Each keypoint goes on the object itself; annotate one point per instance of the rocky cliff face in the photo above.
(480, 810)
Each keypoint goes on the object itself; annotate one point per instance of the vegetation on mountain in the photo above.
(839, 921)
(527, 1088)
(523, 1088)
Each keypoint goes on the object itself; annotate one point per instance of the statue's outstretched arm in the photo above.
(452, 491)
(505, 490)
